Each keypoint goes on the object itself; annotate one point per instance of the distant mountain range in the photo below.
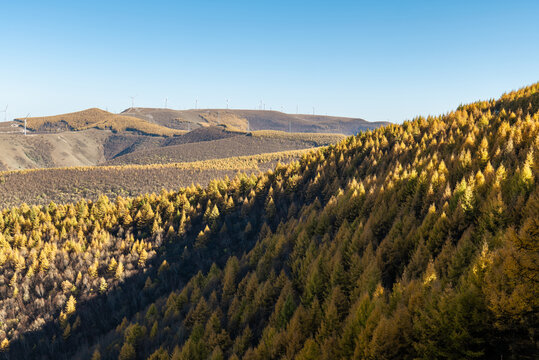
(253, 120)
(169, 122)
(147, 135)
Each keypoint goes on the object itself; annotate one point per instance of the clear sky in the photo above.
(379, 60)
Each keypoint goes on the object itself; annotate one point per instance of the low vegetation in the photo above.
(62, 185)
(98, 119)
(320, 139)
(395, 243)
(237, 144)
(98, 147)
(253, 120)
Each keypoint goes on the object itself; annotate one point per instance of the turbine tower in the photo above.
(5, 113)
(166, 100)
(27, 116)
(133, 101)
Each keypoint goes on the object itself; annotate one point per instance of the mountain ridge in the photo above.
(98, 119)
(254, 119)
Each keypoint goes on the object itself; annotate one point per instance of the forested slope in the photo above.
(410, 241)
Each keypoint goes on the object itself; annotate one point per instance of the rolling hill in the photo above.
(397, 243)
(98, 119)
(69, 148)
(144, 136)
(80, 148)
(72, 184)
(215, 143)
(257, 120)
(104, 147)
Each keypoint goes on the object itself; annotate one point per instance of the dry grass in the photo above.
(231, 163)
(102, 147)
(257, 119)
(100, 119)
(228, 118)
(229, 147)
(316, 138)
(61, 185)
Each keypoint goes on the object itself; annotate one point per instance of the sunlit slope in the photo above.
(99, 119)
(253, 120)
(105, 147)
(71, 184)
(412, 241)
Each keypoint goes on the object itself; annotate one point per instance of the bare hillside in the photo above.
(146, 136)
(98, 119)
(52, 150)
(252, 120)
(235, 144)
(41, 186)
(101, 147)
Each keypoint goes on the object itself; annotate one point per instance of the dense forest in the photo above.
(412, 241)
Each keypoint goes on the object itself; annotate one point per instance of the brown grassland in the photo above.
(61, 185)
(317, 138)
(238, 144)
(253, 120)
(99, 119)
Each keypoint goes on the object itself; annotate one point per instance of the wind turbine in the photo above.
(27, 116)
(166, 100)
(5, 113)
(133, 100)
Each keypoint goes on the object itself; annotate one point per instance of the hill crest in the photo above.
(99, 119)
(253, 120)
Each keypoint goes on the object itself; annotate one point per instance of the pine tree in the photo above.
(70, 305)
(119, 271)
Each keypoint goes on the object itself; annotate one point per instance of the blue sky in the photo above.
(379, 60)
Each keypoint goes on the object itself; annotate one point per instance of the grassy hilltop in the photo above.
(98, 119)
(253, 120)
